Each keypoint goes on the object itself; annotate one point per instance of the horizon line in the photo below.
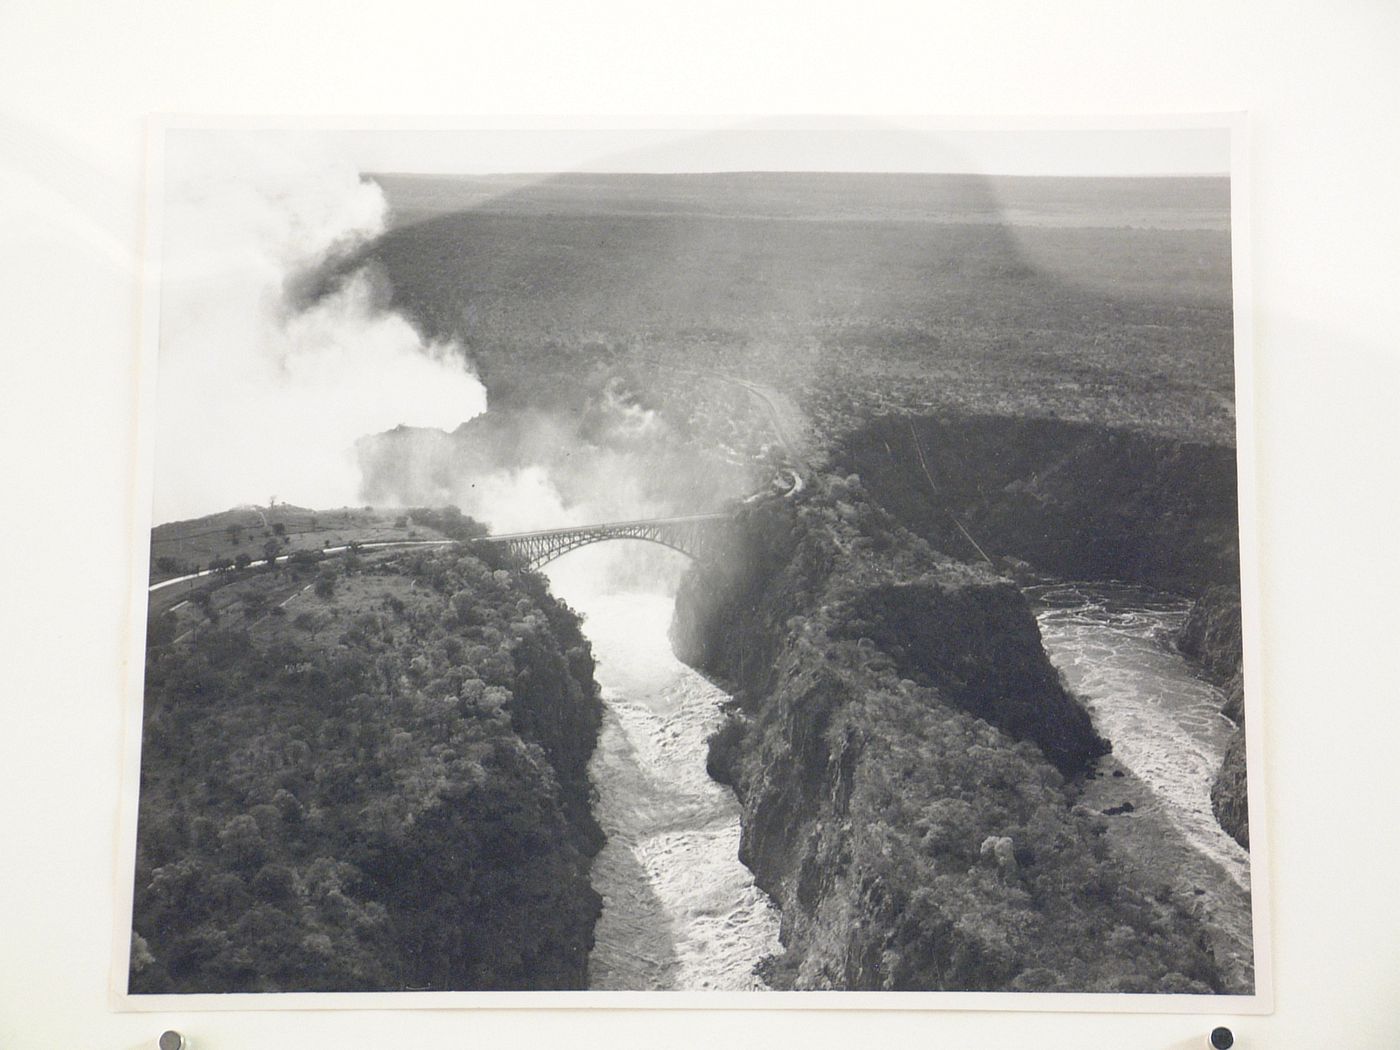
(802, 171)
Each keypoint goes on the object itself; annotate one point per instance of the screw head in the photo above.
(171, 1040)
(1222, 1038)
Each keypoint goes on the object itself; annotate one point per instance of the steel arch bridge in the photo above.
(696, 536)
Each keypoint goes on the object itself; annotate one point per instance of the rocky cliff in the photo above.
(1073, 499)
(907, 765)
(1080, 501)
(1212, 635)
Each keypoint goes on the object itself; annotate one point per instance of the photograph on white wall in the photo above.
(767, 562)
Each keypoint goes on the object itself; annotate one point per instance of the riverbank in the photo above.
(1213, 636)
(1116, 646)
(1145, 842)
(1080, 501)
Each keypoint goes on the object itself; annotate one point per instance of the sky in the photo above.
(853, 146)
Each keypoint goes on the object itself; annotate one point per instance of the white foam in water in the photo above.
(1113, 644)
(680, 911)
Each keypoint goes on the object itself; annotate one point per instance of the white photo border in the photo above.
(1258, 1003)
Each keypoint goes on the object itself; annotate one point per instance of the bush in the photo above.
(722, 756)
(302, 561)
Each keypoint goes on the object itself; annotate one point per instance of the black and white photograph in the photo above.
(767, 558)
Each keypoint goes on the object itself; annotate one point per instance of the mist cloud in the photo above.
(258, 395)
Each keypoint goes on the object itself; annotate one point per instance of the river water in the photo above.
(1113, 643)
(680, 912)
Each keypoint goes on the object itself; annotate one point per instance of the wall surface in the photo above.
(1321, 82)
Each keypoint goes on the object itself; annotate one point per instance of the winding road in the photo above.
(163, 584)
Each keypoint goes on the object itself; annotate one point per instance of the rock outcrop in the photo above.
(1081, 501)
(1212, 635)
(1075, 500)
(907, 765)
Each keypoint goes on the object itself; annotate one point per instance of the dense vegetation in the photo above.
(913, 812)
(1098, 300)
(382, 786)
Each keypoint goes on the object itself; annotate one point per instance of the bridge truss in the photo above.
(696, 536)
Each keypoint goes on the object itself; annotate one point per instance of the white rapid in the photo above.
(1113, 644)
(680, 912)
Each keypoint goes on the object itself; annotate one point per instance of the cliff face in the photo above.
(980, 647)
(1212, 635)
(905, 759)
(1082, 502)
(1075, 500)
(384, 787)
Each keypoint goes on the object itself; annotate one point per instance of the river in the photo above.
(680, 912)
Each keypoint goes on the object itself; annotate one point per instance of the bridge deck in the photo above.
(690, 519)
(694, 535)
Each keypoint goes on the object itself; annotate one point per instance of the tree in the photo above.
(278, 529)
(325, 583)
(242, 843)
(241, 560)
(270, 549)
(299, 560)
(235, 534)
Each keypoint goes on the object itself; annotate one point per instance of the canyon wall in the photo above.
(1075, 500)
(1212, 635)
(908, 765)
(1081, 501)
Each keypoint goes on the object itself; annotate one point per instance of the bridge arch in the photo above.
(695, 536)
